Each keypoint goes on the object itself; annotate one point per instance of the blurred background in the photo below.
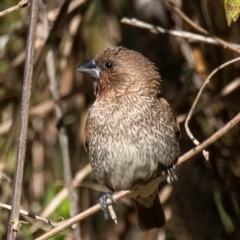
(205, 203)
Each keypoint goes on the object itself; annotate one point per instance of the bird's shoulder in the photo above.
(169, 115)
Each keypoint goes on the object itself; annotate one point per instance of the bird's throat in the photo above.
(96, 87)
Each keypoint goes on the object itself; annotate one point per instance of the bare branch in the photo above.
(27, 82)
(200, 29)
(54, 203)
(210, 140)
(229, 88)
(62, 194)
(192, 37)
(42, 55)
(21, 4)
(31, 215)
(42, 108)
(62, 135)
(195, 141)
(65, 224)
(79, 217)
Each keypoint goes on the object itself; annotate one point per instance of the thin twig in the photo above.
(200, 29)
(20, 5)
(38, 66)
(61, 195)
(62, 135)
(65, 224)
(44, 218)
(210, 140)
(196, 142)
(192, 37)
(31, 215)
(44, 108)
(14, 223)
(229, 88)
(66, 8)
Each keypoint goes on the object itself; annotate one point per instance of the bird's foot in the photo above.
(108, 210)
(172, 175)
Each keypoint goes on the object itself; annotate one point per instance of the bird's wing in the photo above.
(173, 119)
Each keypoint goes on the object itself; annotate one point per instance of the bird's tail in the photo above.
(150, 217)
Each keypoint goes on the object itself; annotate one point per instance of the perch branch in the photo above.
(63, 225)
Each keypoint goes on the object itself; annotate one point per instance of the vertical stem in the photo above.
(38, 66)
(62, 135)
(14, 223)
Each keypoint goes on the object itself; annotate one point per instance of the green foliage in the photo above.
(3, 66)
(232, 9)
(226, 220)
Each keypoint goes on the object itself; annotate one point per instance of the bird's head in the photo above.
(118, 71)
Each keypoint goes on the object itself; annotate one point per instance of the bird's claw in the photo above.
(108, 210)
(172, 175)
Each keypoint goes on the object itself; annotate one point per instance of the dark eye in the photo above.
(109, 64)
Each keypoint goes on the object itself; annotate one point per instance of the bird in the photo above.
(131, 133)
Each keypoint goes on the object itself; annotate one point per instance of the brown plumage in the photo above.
(131, 131)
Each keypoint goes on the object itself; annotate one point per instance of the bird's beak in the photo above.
(90, 68)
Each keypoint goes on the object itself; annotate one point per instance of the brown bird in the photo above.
(131, 132)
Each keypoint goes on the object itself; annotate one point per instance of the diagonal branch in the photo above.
(31, 215)
(191, 37)
(20, 5)
(200, 29)
(67, 223)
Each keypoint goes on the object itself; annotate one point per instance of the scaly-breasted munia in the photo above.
(131, 131)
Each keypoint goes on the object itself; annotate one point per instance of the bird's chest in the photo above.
(117, 121)
(116, 127)
(122, 143)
